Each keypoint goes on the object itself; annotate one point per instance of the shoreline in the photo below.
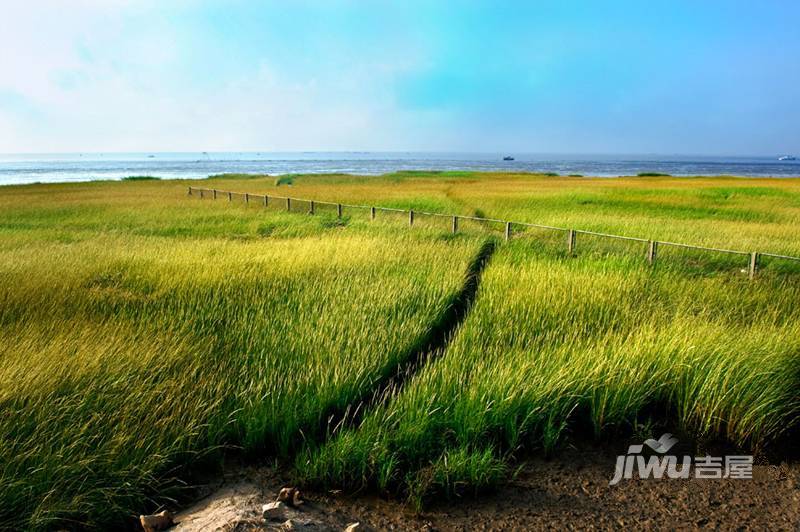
(410, 173)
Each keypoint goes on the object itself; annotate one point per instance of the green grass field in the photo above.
(146, 333)
(554, 346)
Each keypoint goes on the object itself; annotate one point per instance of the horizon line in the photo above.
(428, 152)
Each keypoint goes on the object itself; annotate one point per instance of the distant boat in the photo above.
(151, 156)
(508, 158)
(787, 158)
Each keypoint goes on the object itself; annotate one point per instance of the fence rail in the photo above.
(651, 250)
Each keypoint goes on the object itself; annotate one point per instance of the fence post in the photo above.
(455, 224)
(411, 217)
(214, 193)
(571, 242)
(266, 200)
(201, 193)
(190, 191)
(288, 204)
(508, 231)
(652, 251)
(372, 213)
(753, 264)
(247, 197)
(311, 210)
(339, 210)
(230, 196)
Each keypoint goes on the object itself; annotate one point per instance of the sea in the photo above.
(69, 167)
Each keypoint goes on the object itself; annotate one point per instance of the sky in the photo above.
(716, 77)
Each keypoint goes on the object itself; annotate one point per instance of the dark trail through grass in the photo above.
(429, 347)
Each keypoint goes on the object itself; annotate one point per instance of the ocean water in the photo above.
(51, 168)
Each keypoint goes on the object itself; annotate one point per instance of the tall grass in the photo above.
(748, 214)
(130, 351)
(142, 331)
(557, 345)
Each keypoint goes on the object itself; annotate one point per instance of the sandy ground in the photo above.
(567, 492)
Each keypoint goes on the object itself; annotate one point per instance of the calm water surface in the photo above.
(51, 168)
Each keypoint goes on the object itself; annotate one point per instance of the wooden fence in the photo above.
(652, 247)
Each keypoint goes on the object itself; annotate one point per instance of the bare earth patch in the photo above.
(570, 491)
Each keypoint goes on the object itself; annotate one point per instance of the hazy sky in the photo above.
(696, 77)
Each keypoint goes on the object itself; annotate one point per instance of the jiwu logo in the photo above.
(655, 466)
(661, 464)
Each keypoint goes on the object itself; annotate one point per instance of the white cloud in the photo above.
(95, 75)
(112, 76)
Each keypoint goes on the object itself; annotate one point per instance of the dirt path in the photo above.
(569, 492)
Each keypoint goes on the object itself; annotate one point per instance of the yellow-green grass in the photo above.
(140, 332)
(749, 214)
(555, 345)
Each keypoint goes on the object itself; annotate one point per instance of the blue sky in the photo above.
(691, 77)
